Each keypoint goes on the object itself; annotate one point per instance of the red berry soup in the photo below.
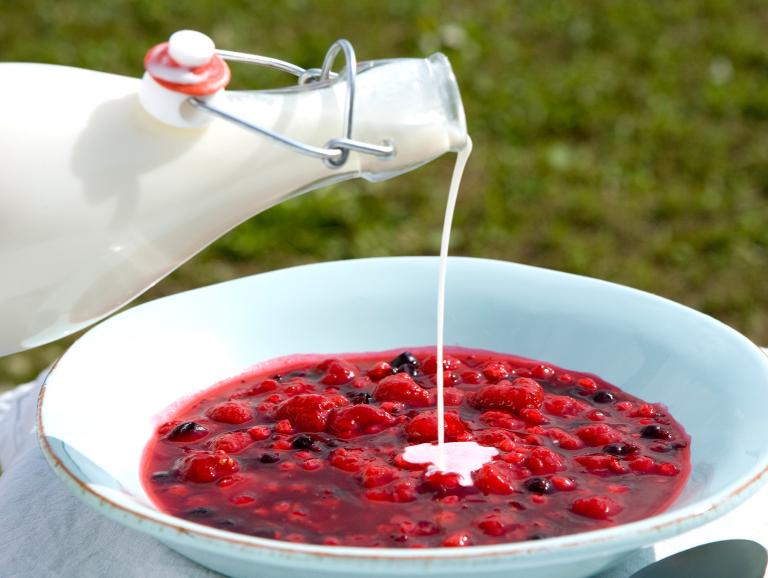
(310, 449)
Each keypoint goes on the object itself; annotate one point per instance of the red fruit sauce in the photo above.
(309, 449)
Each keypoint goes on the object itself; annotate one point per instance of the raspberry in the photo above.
(453, 397)
(404, 464)
(201, 466)
(497, 438)
(495, 371)
(596, 507)
(544, 461)
(242, 500)
(297, 388)
(598, 435)
(520, 394)
(533, 416)
(231, 442)
(338, 372)
(472, 377)
(443, 481)
(496, 478)
(423, 428)
(601, 464)
(349, 460)
(230, 412)
(259, 432)
(308, 412)
(642, 465)
(563, 483)
(492, 526)
(401, 387)
(355, 420)
(398, 492)
(543, 372)
(501, 419)
(587, 384)
(667, 469)
(457, 540)
(644, 410)
(380, 370)
(563, 405)
(312, 464)
(188, 431)
(265, 386)
(429, 365)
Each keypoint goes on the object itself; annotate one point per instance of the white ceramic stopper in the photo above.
(191, 48)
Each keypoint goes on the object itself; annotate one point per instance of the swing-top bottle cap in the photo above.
(185, 66)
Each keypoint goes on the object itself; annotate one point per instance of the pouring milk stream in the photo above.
(109, 183)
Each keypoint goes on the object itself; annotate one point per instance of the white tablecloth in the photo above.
(46, 531)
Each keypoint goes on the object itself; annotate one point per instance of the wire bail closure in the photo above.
(336, 151)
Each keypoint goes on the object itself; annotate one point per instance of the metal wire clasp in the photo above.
(336, 151)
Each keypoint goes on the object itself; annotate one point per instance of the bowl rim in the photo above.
(622, 537)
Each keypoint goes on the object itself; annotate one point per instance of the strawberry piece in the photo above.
(201, 466)
(337, 372)
(563, 405)
(596, 507)
(230, 412)
(520, 394)
(402, 387)
(544, 461)
(598, 435)
(355, 420)
(423, 428)
(309, 412)
(231, 442)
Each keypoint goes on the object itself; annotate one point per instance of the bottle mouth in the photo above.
(445, 81)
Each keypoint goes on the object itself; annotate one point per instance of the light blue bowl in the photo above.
(140, 362)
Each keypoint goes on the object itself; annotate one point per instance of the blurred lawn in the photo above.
(619, 139)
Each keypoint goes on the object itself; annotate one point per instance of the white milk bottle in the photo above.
(104, 192)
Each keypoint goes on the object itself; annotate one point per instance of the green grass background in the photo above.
(626, 140)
